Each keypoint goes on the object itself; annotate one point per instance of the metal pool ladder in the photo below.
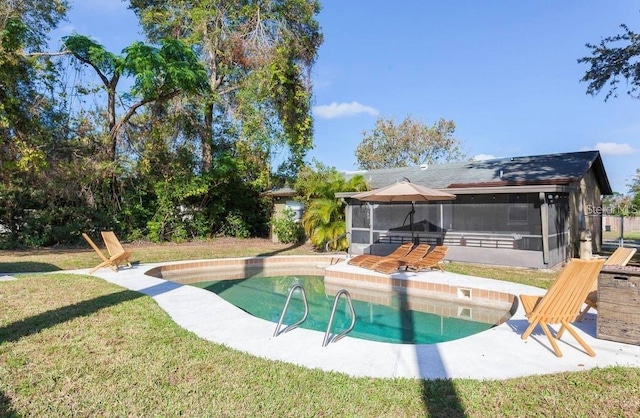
(286, 306)
(345, 293)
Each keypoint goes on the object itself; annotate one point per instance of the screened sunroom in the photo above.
(503, 213)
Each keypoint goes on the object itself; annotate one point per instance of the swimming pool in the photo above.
(396, 322)
(498, 353)
(462, 300)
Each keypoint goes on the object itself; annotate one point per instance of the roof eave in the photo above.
(497, 189)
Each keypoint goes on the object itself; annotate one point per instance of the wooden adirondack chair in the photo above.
(114, 258)
(116, 252)
(432, 260)
(562, 302)
(620, 257)
(370, 259)
(389, 266)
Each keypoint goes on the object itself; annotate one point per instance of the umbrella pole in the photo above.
(411, 220)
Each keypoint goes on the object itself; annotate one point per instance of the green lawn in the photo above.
(78, 346)
(630, 235)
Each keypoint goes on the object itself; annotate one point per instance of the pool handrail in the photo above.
(346, 234)
(286, 307)
(346, 294)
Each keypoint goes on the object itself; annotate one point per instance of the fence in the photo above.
(614, 223)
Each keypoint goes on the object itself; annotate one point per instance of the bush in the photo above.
(235, 226)
(286, 228)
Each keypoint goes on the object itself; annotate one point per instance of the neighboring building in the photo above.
(282, 199)
(534, 211)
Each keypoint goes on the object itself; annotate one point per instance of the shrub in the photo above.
(235, 226)
(286, 228)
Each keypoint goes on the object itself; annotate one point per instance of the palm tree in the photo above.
(323, 221)
(324, 217)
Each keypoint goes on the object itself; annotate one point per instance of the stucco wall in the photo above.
(583, 200)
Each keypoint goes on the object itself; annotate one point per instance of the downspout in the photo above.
(370, 206)
(348, 216)
(442, 221)
(544, 221)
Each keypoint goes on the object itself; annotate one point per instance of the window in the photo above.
(518, 210)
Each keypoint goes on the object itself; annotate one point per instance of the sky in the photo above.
(505, 72)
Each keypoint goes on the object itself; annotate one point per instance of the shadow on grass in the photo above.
(37, 323)
(282, 250)
(441, 399)
(438, 395)
(6, 410)
(587, 326)
(28, 267)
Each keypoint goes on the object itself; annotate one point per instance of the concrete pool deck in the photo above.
(498, 353)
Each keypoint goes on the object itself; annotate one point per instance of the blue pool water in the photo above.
(264, 297)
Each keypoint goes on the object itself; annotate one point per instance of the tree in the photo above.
(30, 120)
(160, 74)
(617, 205)
(634, 189)
(35, 18)
(24, 78)
(324, 216)
(411, 142)
(258, 56)
(613, 59)
(220, 87)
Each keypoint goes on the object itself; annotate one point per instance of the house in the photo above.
(532, 211)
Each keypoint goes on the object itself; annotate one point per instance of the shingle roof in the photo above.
(562, 168)
(281, 192)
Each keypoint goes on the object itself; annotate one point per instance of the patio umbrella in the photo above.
(404, 191)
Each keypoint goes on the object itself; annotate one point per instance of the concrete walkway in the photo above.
(498, 353)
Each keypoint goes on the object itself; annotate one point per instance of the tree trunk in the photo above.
(207, 138)
(111, 117)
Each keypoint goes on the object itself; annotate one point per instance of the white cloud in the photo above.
(613, 148)
(339, 110)
(482, 157)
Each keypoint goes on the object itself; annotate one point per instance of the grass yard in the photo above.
(628, 235)
(78, 346)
